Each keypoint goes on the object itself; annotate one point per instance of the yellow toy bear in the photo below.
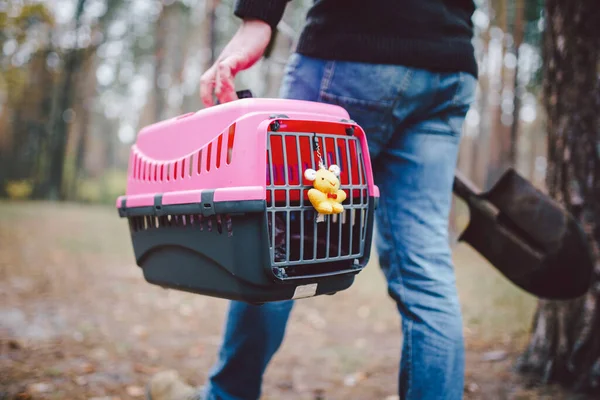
(326, 197)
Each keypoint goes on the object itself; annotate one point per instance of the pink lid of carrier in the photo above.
(223, 148)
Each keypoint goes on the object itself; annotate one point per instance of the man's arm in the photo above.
(269, 11)
(246, 47)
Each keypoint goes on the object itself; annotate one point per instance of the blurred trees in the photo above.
(80, 77)
(46, 44)
(25, 87)
(565, 345)
(500, 127)
(95, 71)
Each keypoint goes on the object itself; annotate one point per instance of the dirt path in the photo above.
(77, 321)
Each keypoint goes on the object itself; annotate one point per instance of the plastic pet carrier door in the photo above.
(219, 202)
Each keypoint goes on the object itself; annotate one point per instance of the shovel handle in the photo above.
(463, 187)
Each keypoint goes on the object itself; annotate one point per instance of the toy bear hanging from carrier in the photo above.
(255, 200)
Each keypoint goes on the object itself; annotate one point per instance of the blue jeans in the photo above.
(413, 120)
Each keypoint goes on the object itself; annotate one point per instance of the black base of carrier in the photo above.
(231, 250)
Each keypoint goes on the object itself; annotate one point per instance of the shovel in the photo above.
(527, 236)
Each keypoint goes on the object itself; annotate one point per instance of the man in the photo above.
(406, 73)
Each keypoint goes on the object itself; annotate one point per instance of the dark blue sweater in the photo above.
(428, 34)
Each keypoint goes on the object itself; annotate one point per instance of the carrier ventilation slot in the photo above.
(296, 238)
(217, 223)
(230, 140)
(217, 153)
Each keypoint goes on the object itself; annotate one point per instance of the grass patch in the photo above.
(493, 308)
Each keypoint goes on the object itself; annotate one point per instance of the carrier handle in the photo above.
(241, 94)
(244, 94)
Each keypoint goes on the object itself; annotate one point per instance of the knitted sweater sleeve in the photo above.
(269, 11)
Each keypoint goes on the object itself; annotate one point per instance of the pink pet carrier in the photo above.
(217, 201)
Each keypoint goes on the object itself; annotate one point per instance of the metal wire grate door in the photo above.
(296, 238)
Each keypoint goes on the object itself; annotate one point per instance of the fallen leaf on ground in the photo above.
(80, 380)
(78, 336)
(41, 387)
(87, 368)
(134, 391)
(472, 387)
(139, 331)
(144, 369)
(496, 355)
(99, 354)
(285, 385)
(351, 380)
(152, 353)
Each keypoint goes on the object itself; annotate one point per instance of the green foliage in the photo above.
(103, 190)
(89, 191)
(16, 23)
(19, 190)
(17, 20)
(13, 82)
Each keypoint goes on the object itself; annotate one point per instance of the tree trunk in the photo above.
(87, 84)
(565, 343)
(499, 135)
(159, 50)
(518, 32)
(59, 125)
(47, 87)
(170, 55)
(480, 144)
(212, 30)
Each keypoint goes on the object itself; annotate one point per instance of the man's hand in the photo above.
(244, 49)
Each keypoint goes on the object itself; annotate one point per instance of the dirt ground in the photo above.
(78, 321)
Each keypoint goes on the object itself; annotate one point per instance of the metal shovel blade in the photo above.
(528, 237)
